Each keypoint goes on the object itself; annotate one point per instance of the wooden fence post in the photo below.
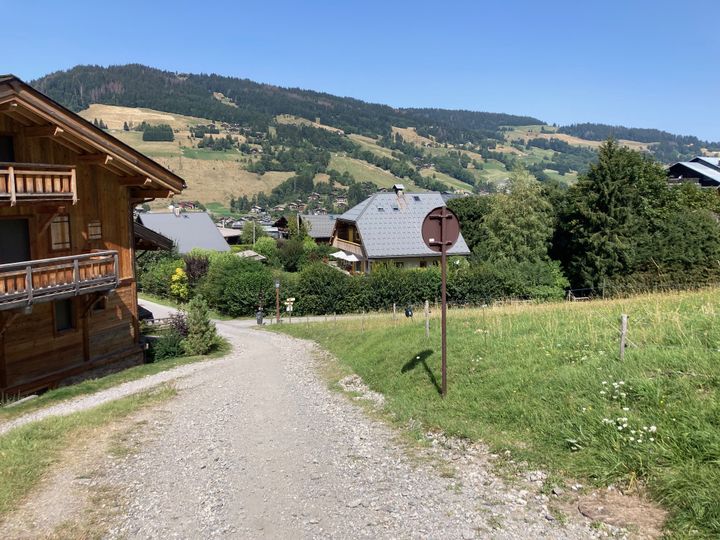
(623, 334)
(394, 311)
(427, 318)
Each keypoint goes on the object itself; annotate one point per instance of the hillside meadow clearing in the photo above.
(545, 382)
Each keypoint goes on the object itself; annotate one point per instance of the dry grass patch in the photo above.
(410, 135)
(114, 116)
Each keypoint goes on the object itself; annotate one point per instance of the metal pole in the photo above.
(427, 318)
(623, 334)
(443, 263)
(277, 305)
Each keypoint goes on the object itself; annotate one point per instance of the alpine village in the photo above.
(231, 309)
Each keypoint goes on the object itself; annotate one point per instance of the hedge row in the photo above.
(236, 287)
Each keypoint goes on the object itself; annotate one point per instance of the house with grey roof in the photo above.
(320, 227)
(386, 228)
(701, 170)
(188, 230)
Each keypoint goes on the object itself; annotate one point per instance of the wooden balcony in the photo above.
(350, 247)
(25, 283)
(37, 182)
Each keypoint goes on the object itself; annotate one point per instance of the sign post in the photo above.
(277, 301)
(289, 308)
(440, 231)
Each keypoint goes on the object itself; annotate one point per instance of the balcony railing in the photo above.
(26, 283)
(37, 182)
(350, 247)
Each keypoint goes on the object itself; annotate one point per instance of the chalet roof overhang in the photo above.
(149, 240)
(40, 116)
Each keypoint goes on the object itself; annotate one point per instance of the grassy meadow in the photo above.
(545, 382)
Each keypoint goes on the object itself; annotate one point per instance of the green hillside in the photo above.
(235, 139)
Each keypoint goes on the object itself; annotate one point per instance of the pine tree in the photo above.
(609, 214)
(202, 334)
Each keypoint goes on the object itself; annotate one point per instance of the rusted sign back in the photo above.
(441, 227)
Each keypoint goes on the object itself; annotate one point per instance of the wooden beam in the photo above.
(150, 193)
(8, 106)
(95, 159)
(135, 181)
(42, 131)
(46, 222)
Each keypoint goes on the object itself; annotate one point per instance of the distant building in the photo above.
(704, 171)
(189, 230)
(320, 227)
(386, 227)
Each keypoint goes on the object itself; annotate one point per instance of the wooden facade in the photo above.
(68, 299)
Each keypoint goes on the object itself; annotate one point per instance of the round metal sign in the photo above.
(440, 229)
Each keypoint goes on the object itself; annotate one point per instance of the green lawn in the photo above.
(363, 171)
(207, 154)
(447, 179)
(546, 383)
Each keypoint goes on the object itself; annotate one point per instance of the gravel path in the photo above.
(83, 403)
(258, 447)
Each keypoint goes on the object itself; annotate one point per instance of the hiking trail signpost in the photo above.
(440, 231)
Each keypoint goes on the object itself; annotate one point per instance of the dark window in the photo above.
(423, 264)
(14, 241)
(64, 315)
(100, 305)
(7, 149)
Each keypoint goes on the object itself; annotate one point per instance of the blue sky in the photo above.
(638, 63)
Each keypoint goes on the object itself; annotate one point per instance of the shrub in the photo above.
(179, 287)
(236, 286)
(321, 289)
(196, 267)
(267, 247)
(202, 334)
(179, 323)
(168, 345)
(155, 277)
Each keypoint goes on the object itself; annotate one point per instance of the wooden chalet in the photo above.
(68, 299)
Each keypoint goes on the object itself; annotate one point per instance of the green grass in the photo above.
(27, 452)
(539, 381)
(363, 171)
(212, 155)
(447, 179)
(92, 386)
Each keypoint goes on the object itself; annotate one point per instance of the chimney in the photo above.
(399, 189)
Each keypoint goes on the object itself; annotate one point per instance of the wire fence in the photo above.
(654, 319)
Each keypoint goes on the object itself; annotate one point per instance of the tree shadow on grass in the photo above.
(421, 359)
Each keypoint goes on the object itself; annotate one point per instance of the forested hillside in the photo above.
(239, 142)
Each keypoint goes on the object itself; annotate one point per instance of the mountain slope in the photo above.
(256, 105)
(235, 138)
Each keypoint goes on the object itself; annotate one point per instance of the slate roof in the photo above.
(698, 167)
(711, 161)
(320, 226)
(390, 226)
(189, 230)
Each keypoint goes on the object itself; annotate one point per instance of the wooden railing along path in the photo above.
(25, 283)
(37, 182)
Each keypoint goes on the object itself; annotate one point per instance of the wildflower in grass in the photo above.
(626, 408)
(653, 429)
(602, 392)
(604, 382)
